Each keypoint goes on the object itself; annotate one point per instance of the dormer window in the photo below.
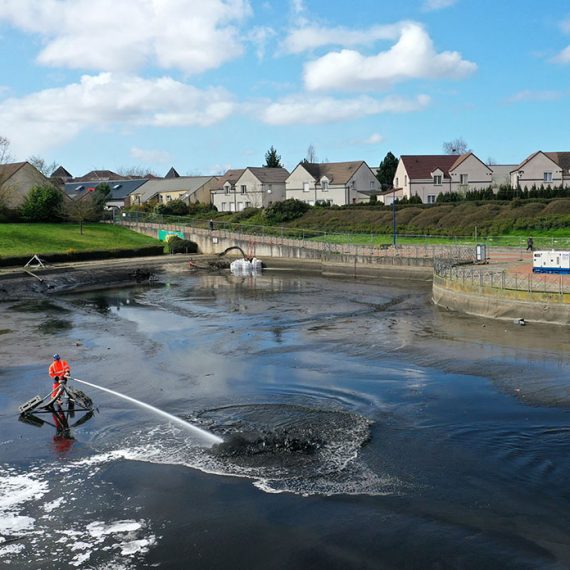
(227, 186)
(324, 184)
(437, 180)
(79, 188)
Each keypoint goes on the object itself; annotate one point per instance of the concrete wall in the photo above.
(533, 173)
(479, 175)
(17, 187)
(504, 304)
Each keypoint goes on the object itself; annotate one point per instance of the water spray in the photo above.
(205, 434)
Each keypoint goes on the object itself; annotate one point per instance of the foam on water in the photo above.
(38, 511)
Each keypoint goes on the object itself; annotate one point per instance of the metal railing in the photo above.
(504, 280)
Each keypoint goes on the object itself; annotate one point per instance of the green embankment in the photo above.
(28, 239)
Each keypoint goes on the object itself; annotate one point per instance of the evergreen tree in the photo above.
(43, 204)
(387, 170)
(272, 159)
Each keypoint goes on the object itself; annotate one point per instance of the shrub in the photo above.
(285, 211)
(179, 245)
(174, 208)
(43, 204)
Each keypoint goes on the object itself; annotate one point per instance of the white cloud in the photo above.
(529, 95)
(150, 156)
(431, 5)
(374, 138)
(312, 37)
(413, 56)
(316, 110)
(259, 36)
(110, 35)
(51, 117)
(563, 56)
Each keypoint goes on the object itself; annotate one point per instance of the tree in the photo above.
(387, 170)
(5, 156)
(456, 146)
(272, 159)
(136, 172)
(81, 210)
(5, 190)
(100, 196)
(311, 154)
(43, 204)
(45, 168)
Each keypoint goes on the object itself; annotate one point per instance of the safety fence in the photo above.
(477, 277)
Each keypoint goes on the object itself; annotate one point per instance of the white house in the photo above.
(338, 183)
(423, 175)
(253, 187)
(542, 169)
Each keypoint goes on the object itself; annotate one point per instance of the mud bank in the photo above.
(16, 284)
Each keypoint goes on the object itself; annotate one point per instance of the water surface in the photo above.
(362, 427)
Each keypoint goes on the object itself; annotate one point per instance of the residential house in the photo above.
(253, 187)
(120, 190)
(469, 172)
(190, 189)
(423, 175)
(337, 183)
(542, 169)
(16, 180)
(501, 174)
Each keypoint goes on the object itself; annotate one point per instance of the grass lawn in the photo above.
(30, 239)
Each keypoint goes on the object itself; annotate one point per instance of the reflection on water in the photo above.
(424, 439)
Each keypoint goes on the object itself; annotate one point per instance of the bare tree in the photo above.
(5, 156)
(456, 146)
(81, 210)
(6, 190)
(491, 161)
(135, 171)
(45, 168)
(311, 154)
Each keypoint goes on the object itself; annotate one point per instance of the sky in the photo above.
(208, 85)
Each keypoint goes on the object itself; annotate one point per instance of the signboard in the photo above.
(163, 234)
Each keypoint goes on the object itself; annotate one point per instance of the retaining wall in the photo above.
(506, 304)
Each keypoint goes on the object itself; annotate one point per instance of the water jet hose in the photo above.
(205, 434)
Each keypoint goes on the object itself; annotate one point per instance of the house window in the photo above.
(305, 186)
(240, 206)
(168, 197)
(243, 188)
(248, 204)
(269, 188)
(372, 185)
(405, 179)
(232, 207)
(437, 180)
(325, 185)
(431, 198)
(463, 179)
(227, 189)
(397, 182)
(548, 176)
(224, 206)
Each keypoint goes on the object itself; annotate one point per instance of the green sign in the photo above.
(163, 234)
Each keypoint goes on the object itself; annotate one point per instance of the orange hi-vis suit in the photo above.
(57, 368)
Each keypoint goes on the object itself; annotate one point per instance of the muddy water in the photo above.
(362, 427)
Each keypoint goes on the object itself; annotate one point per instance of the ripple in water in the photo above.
(282, 448)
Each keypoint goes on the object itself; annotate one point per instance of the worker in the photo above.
(530, 244)
(59, 370)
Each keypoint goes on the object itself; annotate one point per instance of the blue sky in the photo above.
(206, 85)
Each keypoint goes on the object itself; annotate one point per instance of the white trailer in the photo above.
(551, 262)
